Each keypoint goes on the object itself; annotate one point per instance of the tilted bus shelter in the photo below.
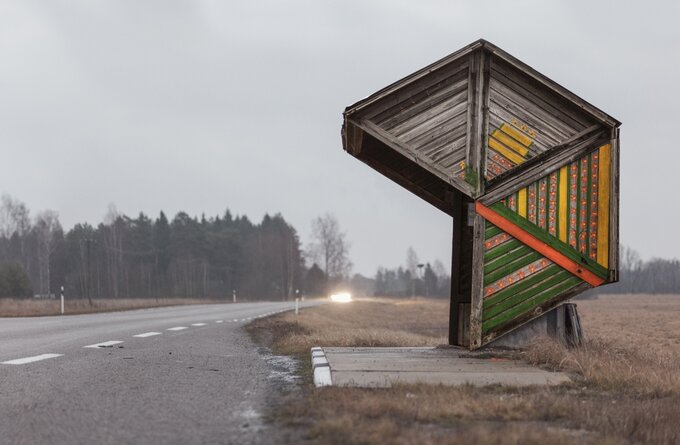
(528, 171)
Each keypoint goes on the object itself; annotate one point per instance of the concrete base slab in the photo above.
(382, 367)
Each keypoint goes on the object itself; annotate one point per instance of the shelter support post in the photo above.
(461, 272)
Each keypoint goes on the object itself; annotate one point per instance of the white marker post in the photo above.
(62, 300)
(297, 306)
(233, 294)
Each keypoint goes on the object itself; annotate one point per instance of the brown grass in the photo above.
(627, 387)
(440, 414)
(361, 323)
(642, 321)
(631, 345)
(11, 307)
(612, 365)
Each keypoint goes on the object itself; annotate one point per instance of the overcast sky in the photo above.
(203, 105)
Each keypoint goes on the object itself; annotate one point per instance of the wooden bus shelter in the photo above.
(528, 171)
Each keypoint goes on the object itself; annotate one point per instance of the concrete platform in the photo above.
(382, 367)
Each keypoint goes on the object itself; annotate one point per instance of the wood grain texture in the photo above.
(477, 285)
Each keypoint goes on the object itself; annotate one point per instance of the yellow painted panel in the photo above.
(603, 189)
(522, 203)
(515, 133)
(510, 142)
(500, 148)
(563, 202)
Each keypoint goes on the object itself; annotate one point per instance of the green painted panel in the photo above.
(501, 250)
(527, 258)
(490, 231)
(509, 257)
(538, 286)
(520, 286)
(569, 283)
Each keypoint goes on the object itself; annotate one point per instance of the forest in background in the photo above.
(144, 257)
(189, 257)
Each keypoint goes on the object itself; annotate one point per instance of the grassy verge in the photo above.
(623, 393)
(14, 307)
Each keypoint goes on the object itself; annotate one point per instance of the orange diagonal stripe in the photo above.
(538, 245)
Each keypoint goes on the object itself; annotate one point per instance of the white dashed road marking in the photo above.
(35, 358)
(105, 344)
(178, 328)
(235, 319)
(147, 334)
(219, 321)
(198, 324)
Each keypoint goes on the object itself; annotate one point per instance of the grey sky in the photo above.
(203, 105)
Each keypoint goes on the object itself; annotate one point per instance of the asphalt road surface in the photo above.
(179, 375)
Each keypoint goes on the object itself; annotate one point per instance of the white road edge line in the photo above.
(35, 358)
(104, 344)
(198, 324)
(147, 334)
(177, 328)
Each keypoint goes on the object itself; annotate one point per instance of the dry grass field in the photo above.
(626, 387)
(362, 323)
(15, 307)
(647, 321)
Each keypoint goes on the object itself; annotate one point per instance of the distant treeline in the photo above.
(214, 257)
(144, 257)
(400, 282)
(655, 276)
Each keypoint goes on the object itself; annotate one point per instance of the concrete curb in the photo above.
(321, 368)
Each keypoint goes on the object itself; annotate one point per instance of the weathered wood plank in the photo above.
(513, 107)
(477, 284)
(449, 89)
(554, 86)
(566, 112)
(413, 78)
(614, 208)
(437, 125)
(478, 146)
(405, 151)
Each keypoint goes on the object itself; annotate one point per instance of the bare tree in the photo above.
(439, 269)
(13, 216)
(46, 226)
(330, 247)
(412, 267)
(15, 220)
(630, 268)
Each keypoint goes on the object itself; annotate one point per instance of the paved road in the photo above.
(64, 380)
